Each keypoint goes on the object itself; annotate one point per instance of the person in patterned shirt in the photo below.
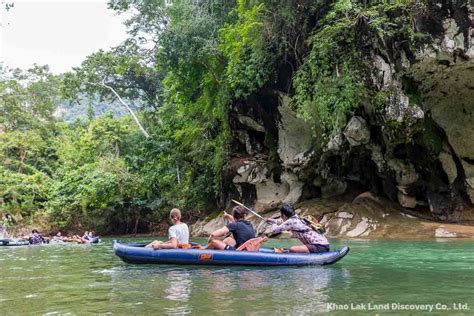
(313, 241)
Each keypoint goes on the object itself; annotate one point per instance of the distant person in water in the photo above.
(313, 241)
(88, 237)
(77, 238)
(241, 229)
(81, 239)
(178, 234)
(36, 238)
(58, 237)
(84, 239)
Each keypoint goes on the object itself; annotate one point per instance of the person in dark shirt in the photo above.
(36, 238)
(241, 229)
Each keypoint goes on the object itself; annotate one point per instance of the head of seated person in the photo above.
(287, 211)
(239, 213)
(175, 216)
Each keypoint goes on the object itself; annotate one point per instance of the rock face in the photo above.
(356, 131)
(415, 149)
(294, 135)
(271, 144)
(333, 187)
(363, 217)
(468, 168)
(443, 233)
(287, 191)
(449, 166)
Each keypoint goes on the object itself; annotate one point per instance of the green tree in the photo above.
(28, 98)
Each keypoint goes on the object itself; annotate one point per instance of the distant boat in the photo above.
(13, 242)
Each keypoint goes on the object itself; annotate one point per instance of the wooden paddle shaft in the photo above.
(250, 210)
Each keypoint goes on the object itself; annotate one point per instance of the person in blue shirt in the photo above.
(241, 229)
(86, 235)
(89, 238)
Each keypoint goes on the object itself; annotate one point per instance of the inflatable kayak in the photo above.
(13, 242)
(134, 253)
(95, 240)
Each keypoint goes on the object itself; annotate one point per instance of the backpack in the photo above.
(313, 223)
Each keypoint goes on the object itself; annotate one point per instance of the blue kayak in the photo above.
(134, 253)
(94, 240)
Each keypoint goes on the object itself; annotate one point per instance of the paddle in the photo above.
(251, 211)
(259, 216)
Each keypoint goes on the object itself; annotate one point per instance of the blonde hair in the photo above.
(175, 213)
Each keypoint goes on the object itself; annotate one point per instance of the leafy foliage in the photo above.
(242, 43)
(329, 85)
(183, 66)
(332, 83)
(28, 99)
(124, 66)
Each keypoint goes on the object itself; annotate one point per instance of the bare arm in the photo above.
(219, 233)
(229, 217)
(170, 244)
(274, 220)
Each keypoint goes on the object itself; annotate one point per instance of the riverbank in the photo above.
(362, 216)
(365, 216)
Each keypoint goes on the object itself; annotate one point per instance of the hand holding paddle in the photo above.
(228, 216)
(270, 220)
(267, 221)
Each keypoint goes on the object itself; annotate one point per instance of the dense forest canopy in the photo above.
(184, 66)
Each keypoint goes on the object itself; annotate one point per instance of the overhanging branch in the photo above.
(145, 133)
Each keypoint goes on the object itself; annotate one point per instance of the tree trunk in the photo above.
(22, 160)
(137, 220)
(145, 133)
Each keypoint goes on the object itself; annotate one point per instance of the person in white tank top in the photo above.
(178, 234)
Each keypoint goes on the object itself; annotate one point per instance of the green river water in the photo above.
(376, 277)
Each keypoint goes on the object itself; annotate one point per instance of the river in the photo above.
(376, 277)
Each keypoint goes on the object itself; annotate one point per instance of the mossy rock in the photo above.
(213, 215)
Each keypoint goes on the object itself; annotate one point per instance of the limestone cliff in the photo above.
(413, 146)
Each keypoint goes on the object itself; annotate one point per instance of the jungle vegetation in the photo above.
(182, 67)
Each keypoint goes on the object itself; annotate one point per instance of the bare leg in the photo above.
(230, 241)
(302, 249)
(153, 243)
(216, 244)
(77, 239)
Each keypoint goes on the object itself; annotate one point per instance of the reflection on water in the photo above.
(307, 287)
(252, 288)
(219, 289)
(179, 287)
(90, 279)
(178, 310)
(182, 290)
